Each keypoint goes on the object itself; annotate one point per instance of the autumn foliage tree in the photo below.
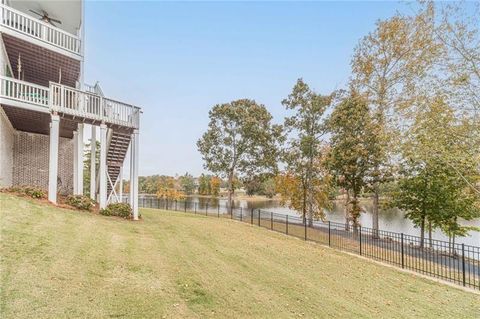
(215, 185)
(169, 189)
(388, 67)
(438, 185)
(301, 183)
(291, 189)
(353, 149)
(240, 140)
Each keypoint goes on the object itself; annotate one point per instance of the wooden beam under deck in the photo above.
(40, 65)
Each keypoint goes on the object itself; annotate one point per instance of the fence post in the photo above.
(195, 207)
(403, 259)
(251, 217)
(166, 204)
(175, 205)
(329, 240)
(305, 224)
(185, 206)
(259, 212)
(241, 214)
(360, 239)
(206, 209)
(271, 220)
(463, 264)
(218, 210)
(286, 230)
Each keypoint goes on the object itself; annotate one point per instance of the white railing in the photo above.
(22, 91)
(28, 25)
(74, 102)
(94, 89)
(67, 100)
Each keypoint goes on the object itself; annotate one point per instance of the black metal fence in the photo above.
(458, 263)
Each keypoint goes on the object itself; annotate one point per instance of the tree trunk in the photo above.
(355, 208)
(430, 234)
(230, 193)
(304, 208)
(375, 212)
(422, 232)
(453, 251)
(347, 213)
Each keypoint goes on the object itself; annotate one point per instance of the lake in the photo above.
(389, 219)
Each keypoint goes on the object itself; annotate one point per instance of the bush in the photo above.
(31, 191)
(118, 209)
(80, 201)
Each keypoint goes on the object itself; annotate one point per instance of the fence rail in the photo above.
(457, 263)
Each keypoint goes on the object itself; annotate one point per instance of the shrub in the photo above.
(31, 191)
(118, 209)
(80, 201)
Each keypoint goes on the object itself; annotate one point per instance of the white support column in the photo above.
(75, 161)
(120, 176)
(134, 175)
(53, 158)
(103, 166)
(79, 162)
(93, 156)
(130, 192)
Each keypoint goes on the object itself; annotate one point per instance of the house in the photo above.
(46, 108)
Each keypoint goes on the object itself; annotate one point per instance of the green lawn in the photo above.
(57, 263)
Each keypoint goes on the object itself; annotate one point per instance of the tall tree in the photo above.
(388, 66)
(240, 140)
(303, 150)
(354, 148)
(456, 76)
(440, 181)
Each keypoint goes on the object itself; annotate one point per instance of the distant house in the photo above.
(45, 106)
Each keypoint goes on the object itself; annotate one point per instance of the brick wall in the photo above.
(30, 161)
(6, 150)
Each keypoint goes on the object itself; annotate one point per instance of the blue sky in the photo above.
(177, 60)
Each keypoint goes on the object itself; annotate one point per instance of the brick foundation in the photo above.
(30, 161)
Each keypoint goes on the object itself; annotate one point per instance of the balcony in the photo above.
(88, 105)
(26, 27)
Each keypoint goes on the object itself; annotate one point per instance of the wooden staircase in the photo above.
(117, 146)
(116, 151)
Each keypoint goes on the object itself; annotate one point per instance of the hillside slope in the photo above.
(57, 263)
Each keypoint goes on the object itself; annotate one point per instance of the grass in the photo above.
(58, 263)
(450, 270)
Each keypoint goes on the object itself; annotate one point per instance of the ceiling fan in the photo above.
(44, 17)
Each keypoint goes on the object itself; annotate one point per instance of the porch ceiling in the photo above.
(37, 122)
(40, 65)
